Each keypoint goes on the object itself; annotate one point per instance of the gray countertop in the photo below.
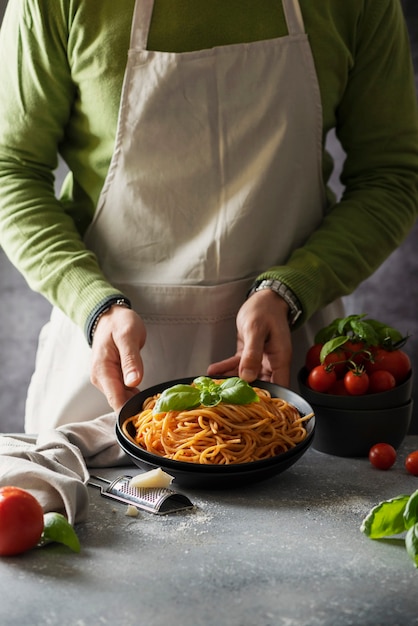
(283, 552)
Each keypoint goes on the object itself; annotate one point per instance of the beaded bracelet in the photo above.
(104, 308)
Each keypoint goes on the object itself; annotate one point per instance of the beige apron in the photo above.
(216, 175)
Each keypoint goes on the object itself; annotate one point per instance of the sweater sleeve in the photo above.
(36, 231)
(377, 125)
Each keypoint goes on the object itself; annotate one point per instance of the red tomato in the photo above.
(339, 361)
(356, 382)
(356, 351)
(312, 356)
(381, 380)
(396, 362)
(382, 456)
(321, 378)
(411, 463)
(21, 521)
(338, 388)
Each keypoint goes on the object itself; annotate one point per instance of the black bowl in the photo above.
(352, 432)
(194, 475)
(399, 395)
(350, 425)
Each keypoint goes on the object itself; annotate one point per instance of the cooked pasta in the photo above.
(219, 435)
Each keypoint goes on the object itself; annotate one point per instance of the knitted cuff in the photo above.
(100, 310)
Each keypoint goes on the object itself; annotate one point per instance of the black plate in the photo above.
(214, 476)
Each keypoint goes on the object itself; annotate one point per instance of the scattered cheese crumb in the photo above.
(154, 478)
(131, 511)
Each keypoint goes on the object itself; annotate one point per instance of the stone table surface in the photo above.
(284, 552)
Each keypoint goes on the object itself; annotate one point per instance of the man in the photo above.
(197, 200)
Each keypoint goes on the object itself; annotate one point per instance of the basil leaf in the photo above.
(328, 332)
(237, 391)
(365, 332)
(331, 346)
(388, 337)
(205, 383)
(386, 518)
(411, 543)
(57, 529)
(178, 398)
(231, 382)
(411, 511)
(348, 323)
(210, 398)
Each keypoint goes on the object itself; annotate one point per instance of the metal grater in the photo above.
(158, 500)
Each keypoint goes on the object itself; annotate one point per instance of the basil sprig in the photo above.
(205, 391)
(358, 329)
(393, 517)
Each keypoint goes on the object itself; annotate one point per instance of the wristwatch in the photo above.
(282, 290)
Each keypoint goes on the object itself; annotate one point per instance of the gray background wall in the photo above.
(391, 295)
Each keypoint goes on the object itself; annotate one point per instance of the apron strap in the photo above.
(141, 22)
(294, 18)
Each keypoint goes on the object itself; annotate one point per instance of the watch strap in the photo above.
(282, 290)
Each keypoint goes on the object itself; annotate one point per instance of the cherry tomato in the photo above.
(411, 463)
(381, 380)
(356, 382)
(338, 388)
(338, 360)
(312, 356)
(321, 378)
(21, 521)
(397, 362)
(382, 456)
(356, 351)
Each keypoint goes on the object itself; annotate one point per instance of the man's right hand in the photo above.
(117, 367)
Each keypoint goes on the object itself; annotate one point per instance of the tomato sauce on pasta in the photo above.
(219, 435)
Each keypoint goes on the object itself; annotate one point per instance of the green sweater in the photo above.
(61, 70)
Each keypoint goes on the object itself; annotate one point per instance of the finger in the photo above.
(250, 366)
(106, 376)
(117, 395)
(128, 343)
(122, 398)
(279, 355)
(132, 367)
(227, 367)
(281, 375)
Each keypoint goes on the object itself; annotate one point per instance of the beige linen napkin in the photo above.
(54, 465)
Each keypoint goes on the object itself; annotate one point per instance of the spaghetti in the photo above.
(219, 435)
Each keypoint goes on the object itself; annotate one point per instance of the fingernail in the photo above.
(131, 378)
(248, 375)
